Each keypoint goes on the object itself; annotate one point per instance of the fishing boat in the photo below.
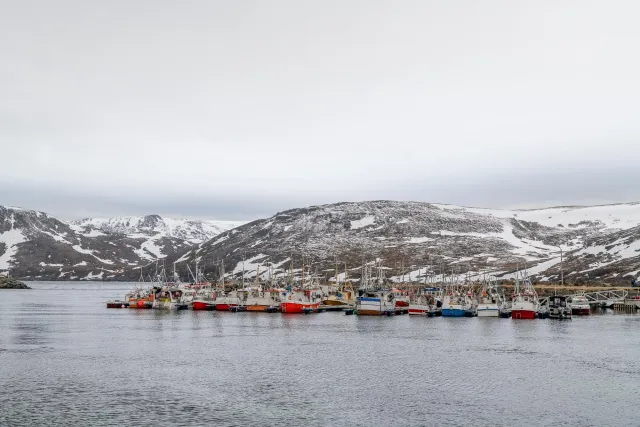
(375, 302)
(425, 302)
(304, 298)
(457, 304)
(171, 298)
(419, 305)
(298, 300)
(580, 305)
(401, 297)
(259, 299)
(343, 293)
(525, 303)
(205, 294)
(559, 307)
(117, 304)
(140, 299)
(489, 301)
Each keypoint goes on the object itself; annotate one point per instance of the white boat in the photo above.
(580, 305)
(489, 301)
(375, 302)
(425, 302)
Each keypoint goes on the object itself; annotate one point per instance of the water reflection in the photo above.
(66, 360)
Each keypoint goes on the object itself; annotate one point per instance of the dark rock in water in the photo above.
(7, 283)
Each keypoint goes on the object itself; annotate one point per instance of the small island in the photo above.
(9, 283)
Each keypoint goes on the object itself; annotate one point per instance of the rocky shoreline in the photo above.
(7, 283)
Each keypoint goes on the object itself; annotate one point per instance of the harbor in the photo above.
(371, 295)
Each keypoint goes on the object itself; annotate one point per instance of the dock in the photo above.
(628, 305)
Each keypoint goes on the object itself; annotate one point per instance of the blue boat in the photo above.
(453, 312)
(455, 305)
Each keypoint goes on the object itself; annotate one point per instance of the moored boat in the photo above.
(525, 303)
(456, 305)
(375, 302)
(117, 304)
(489, 301)
(299, 300)
(580, 305)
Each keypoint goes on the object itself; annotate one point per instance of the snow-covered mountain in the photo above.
(159, 236)
(35, 245)
(599, 243)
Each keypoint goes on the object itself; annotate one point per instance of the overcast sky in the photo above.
(238, 109)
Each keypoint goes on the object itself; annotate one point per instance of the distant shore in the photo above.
(8, 283)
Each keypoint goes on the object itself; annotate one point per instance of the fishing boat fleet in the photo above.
(372, 297)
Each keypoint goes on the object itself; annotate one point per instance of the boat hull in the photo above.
(523, 314)
(298, 306)
(261, 308)
(418, 309)
(335, 302)
(117, 304)
(453, 312)
(367, 312)
(140, 304)
(488, 310)
(224, 306)
(203, 305)
(580, 311)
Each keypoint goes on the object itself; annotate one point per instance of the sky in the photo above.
(235, 110)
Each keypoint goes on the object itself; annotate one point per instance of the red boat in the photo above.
(204, 305)
(525, 301)
(300, 300)
(298, 306)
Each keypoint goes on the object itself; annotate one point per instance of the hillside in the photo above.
(35, 245)
(599, 243)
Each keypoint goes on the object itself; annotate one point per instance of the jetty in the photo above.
(9, 283)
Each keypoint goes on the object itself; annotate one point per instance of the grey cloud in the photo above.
(239, 109)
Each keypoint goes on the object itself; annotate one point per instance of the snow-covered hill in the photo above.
(599, 243)
(35, 245)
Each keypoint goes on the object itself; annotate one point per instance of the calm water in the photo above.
(67, 360)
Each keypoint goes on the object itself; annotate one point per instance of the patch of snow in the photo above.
(80, 264)
(403, 221)
(364, 222)
(92, 276)
(78, 248)
(42, 264)
(10, 239)
(420, 239)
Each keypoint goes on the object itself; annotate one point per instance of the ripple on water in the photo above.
(67, 360)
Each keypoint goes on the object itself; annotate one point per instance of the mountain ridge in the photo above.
(35, 245)
(452, 237)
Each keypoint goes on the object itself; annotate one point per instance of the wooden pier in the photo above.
(627, 305)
